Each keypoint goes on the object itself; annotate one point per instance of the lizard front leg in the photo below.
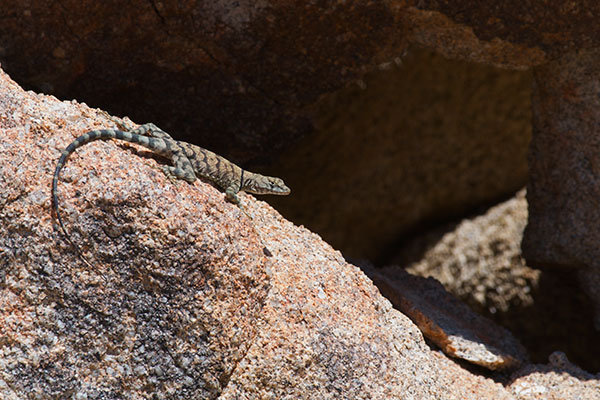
(181, 169)
(231, 195)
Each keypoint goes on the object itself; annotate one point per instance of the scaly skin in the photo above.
(189, 162)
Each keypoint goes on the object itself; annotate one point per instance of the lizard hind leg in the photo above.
(148, 129)
(153, 131)
(175, 173)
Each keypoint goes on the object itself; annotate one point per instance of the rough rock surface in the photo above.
(558, 380)
(551, 25)
(449, 323)
(479, 260)
(422, 141)
(156, 314)
(189, 298)
(565, 128)
(564, 160)
(446, 36)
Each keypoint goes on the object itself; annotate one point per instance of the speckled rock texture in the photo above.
(189, 298)
(479, 260)
(179, 278)
(550, 25)
(448, 322)
(425, 140)
(559, 380)
(447, 36)
(564, 199)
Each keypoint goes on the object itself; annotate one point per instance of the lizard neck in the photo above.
(241, 188)
(249, 182)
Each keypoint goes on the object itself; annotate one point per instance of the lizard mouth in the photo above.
(282, 191)
(279, 189)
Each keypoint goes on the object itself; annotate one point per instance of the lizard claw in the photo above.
(244, 211)
(166, 169)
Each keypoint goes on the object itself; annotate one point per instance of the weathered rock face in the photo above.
(446, 36)
(479, 260)
(550, 25)
(560, 379)
(189, 298)
(564, 186)
(156, 314)
(449, 323)
(245, 73)
(183, 284)
(235, 76)
(564, 198)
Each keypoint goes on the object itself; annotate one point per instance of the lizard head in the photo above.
(260, 184)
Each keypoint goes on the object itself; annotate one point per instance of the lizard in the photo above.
(189, 162)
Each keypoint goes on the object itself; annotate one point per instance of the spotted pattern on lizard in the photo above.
(189, 162)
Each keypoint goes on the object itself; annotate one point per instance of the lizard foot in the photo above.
(168, 171)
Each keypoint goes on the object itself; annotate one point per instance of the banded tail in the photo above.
(157, 145)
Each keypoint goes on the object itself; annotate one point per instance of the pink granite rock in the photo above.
(241, 76)
(189, 298)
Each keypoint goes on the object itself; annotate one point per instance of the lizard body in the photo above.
(189, 162)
